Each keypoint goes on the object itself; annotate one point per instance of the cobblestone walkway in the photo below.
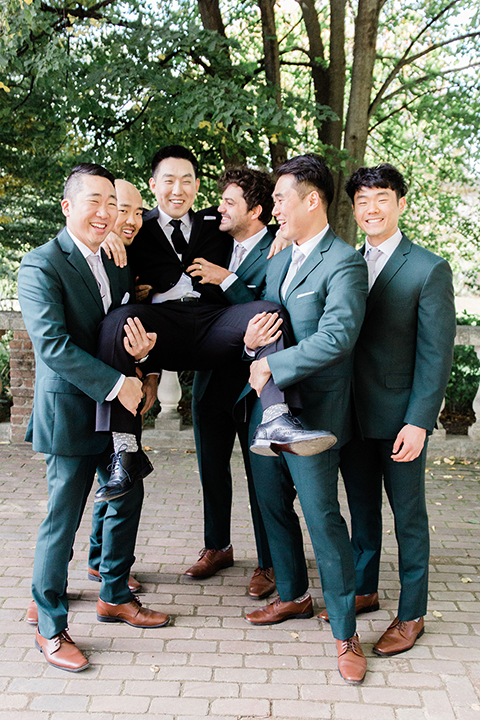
(209, 662)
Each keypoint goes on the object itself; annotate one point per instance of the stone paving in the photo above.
(209, 662)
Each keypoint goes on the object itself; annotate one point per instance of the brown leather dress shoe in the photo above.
(352, 663)
(262, 583)
(209, 562)
(133, 585)
(363, 604)
(131, 613)
(61, 652)
(279, 611)
(399, 636)
(32, 613)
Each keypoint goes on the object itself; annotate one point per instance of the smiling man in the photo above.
(401, 367)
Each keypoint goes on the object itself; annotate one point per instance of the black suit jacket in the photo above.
(153, 259)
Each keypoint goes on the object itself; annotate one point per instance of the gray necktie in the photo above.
(100, 276)
(371, 257)
(297, 260)
(237, 256)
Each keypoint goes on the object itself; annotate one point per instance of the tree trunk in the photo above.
(211, 16)
(272, 69)
(356, 127)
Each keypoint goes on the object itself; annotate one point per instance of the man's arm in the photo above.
(42, 303)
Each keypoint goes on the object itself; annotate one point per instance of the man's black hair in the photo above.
(310, 170)
(380, 176)
(257, 186)
(174, 151)
(74, 179)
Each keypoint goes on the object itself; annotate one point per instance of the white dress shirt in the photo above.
(299, 255)
(387, 248)
(248, 246)
(184, 287)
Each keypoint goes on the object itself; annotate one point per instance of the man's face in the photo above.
(92, 211)
(377, 211)
(129, 220)
(291, 211)
(174, 186)
(234, 212)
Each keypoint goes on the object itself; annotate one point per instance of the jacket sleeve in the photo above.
(436, 329)
(333, 336)
(40, 293)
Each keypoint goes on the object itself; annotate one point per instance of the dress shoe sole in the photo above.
(61, 667)
(140, 475)
(264, 447)
(351, 682)
(306, 448)
(398, 652)
(263, 596)
(372, 608)
(204, 577)
(108, 619)
(299, 616)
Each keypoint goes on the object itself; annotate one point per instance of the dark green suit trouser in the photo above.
(364, 464)
(69, 482)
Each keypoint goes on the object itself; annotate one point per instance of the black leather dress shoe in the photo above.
(286, 434)
(126, 467)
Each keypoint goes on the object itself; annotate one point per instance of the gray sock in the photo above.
(274, 411)
(124, 441)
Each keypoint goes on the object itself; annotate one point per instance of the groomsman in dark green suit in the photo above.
(246, 209)
(401, 368)
(65, 288)
(322, 282)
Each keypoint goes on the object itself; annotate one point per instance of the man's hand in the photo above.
(280, 243)
(259, 374)
(262, 329)
(115, 248)
(138, 342)
(409, 443)
(210, 273)
(150, 384)
(141, 291)
(131, 394)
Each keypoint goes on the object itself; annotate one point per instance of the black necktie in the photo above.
(178, 238)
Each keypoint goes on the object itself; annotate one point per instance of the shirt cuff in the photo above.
(249, 352)
(116, 389)
(228, 281)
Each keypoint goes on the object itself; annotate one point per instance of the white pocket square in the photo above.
(312, 292)
(125, 298)
(209, 217)
(251, 286)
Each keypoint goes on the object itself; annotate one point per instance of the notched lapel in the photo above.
(314, 259)
(76, 259)
(393, 265)
(159, 236)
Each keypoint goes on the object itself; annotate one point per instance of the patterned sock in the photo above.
(302, 597)
(274, 411)
(124, 441)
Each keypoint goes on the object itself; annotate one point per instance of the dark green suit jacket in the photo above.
(326, 302)
(404, 352)
(248, 286)
(62, 309)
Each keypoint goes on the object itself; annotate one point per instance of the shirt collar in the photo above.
(388, 246)
(250, 242)
(86, 252)
(307, 247)
(164, 220)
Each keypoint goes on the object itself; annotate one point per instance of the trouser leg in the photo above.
(361, 468)
(69, 482)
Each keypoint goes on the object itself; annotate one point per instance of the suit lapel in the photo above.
(391, 268)
(314, 259)
(254, 254)
(157, 233)
(76, 259)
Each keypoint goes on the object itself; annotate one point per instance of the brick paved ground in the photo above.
(209, 662)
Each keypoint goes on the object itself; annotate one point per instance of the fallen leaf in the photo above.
(437, 462)
(459, 497)
(434, 529)
(147, 448)
(437, 503)
(437, 614)
(154, 668)
(448, 461)
(447, 477)
(466, 580)
(294, 635)
(475, 707)
(388, 532)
